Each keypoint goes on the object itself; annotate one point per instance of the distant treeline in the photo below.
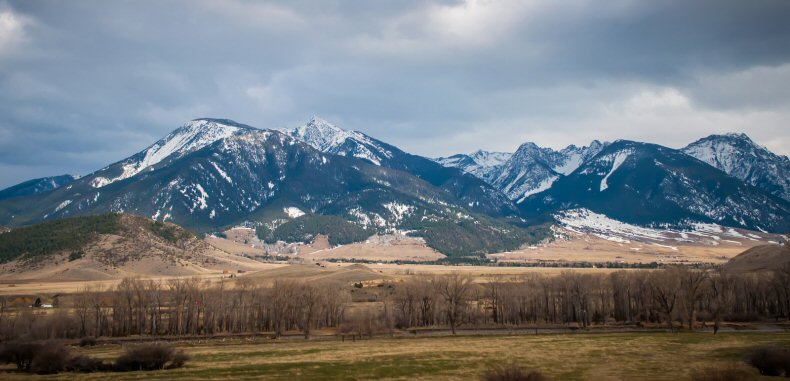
(305, 228)
(470, 239)
(463, 242)
(476, 261)
(671, 297)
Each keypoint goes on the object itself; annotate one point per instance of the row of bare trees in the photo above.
(178, 307)
(668, 296)
(184, 307)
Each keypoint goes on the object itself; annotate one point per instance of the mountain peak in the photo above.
(320, 134)
(528, 146)
(211, 122)
(317, 120)
(737, 135)
(329, 138)
(739, 156)
(190, 137)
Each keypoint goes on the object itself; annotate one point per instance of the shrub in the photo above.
(19, 353)
(86, 364)
(771, 361)
(727, 374)
(511, 373)
(149, 357)
(87, 341)
(49, 357)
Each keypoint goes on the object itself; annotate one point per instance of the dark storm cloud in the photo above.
(86, 83)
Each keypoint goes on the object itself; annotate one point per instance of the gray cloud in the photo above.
(86, 83)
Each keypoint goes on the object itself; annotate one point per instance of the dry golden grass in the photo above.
(341, 272)
(599, 356)
(588, 248)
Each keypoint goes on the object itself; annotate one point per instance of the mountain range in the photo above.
(210, 174)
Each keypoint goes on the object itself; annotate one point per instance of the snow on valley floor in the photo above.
(583, 235)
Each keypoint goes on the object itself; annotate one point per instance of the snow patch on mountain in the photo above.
(618, 160)
(62, 205)
(546, 184)
(222, 173)
(479, 163)
(572, 157)
(398, 211)
(574, 161)
(293, 212)
(584, 221)
(99, 182)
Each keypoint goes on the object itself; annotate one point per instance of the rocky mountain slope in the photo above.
(479, 163)
(530, 170)
(740, 157)
(475, 194)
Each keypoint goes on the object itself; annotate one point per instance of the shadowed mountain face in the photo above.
(35, 186)
(650, 184)
(471, 191)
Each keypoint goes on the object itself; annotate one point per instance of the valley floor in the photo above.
(580, 356)
(337, 271)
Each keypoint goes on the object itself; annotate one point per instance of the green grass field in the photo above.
(620, 356)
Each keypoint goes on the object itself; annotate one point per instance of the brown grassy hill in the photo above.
(760, 258)
(123, 245)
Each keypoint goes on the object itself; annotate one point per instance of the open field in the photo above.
(588, 248)
(336, 271)
(581, 356)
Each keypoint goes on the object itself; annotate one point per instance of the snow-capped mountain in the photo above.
(571, 157)
(740, 157)
(475, 193)
(479, 163)
(531, 169)
(328, 138)
(653, 185)
(212, 174)
(36, 186)
(188, 138)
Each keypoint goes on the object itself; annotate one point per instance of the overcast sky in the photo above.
(86, 83)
